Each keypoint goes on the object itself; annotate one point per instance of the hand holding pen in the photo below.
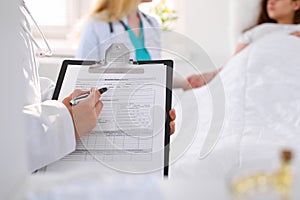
(76, 100)
(85, 114)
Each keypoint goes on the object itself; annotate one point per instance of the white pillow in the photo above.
(243, 14)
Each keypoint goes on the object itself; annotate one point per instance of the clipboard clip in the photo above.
(116, 53)
(117, 60)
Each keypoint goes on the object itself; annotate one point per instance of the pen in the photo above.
(76, 100)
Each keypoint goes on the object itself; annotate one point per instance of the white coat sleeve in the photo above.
(47, 88)
(50, 133)
(48, 124)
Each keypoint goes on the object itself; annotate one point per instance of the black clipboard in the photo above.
(169, 83)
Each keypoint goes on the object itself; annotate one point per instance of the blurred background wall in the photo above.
(207, 22)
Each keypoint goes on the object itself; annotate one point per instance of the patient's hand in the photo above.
(199, 80)
(296, 33)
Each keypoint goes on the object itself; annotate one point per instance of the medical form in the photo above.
(130, 134)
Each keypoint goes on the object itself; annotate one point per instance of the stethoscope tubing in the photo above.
(42, 53)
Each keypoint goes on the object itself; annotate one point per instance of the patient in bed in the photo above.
(275, 16)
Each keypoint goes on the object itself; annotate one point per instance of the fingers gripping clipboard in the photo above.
(133, 133)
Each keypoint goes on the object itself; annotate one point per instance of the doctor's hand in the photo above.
(85, 113)
(296, 33)
(199, 80)
(172, 115)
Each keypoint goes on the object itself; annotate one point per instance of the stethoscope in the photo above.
(111, 28)
(41, 52)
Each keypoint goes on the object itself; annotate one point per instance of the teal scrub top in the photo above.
(141, 52)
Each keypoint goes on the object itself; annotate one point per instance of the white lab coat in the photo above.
(49, 127)
(96, 37)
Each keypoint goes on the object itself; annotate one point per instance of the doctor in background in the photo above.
(109, 20)
(121, 20)
(52, 126)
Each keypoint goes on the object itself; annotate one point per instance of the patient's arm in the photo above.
(199, 80)
(240, 47)
(296, 33)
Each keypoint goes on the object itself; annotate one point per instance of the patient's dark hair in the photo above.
(264, 17)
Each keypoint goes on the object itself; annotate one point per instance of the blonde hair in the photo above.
(113, 10)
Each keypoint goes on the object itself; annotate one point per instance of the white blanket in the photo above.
(262, 106)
